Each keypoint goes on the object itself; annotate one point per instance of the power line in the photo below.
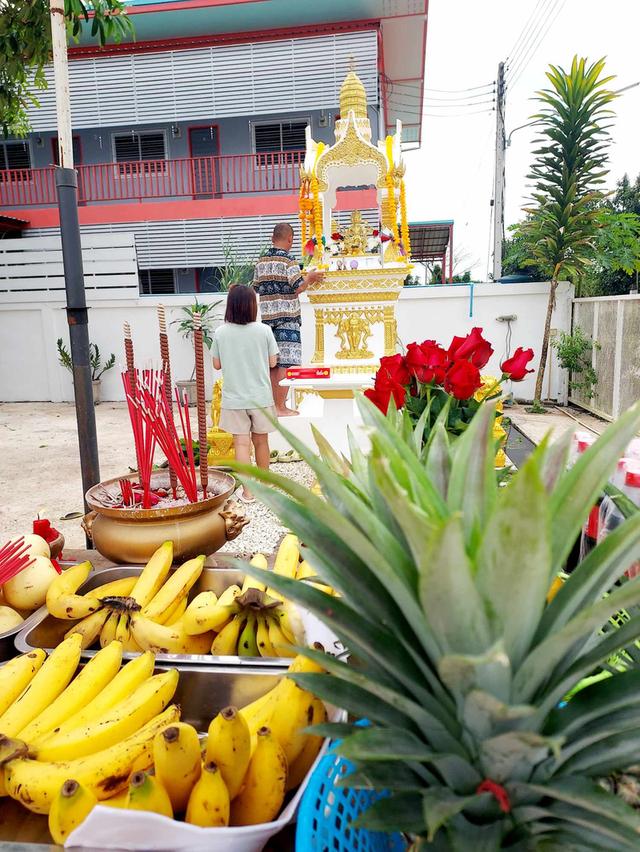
(535, 47)
(458, 114)
(524, 33)
(457, 91)
(532, 44)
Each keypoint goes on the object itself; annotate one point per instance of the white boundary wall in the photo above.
(29, 369)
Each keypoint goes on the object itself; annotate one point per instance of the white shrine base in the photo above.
(329, 415)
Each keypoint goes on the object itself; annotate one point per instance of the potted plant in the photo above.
(186, 327)
(467, 665)
(95, 360)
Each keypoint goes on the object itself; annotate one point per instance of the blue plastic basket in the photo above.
(326, 812)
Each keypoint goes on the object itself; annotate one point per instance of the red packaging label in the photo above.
(593, 524)
(309, 373)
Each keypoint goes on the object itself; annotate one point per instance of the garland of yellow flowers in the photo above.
(317, 204)
(404, 225)
(392, 217)
(306, 212)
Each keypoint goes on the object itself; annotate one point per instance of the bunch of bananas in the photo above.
(95, 728)
(69, 742)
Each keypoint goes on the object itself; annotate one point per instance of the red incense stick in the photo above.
(14, 558)
(166, 366)
(201, 403)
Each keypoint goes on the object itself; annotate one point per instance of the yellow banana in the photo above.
(146, 793)
(247, 644)
(69, 809)
(115, 588)
(176, 614)
(174, 590)
(46, 685)
(119, 801)
(102, 732)
(62, 600)
(260, 561)
(263, 793)
(108, 632)
(305, 571)
(207, 614)
(153, 574)
(91, 680)
(123, 634)
(176, 758)
(288, 556)
(265, 646)
(163, 639)
(279, 642)
(283, 616)
(226, 642)
(229, 747)
(17, 674)
(36, 783)
(208, 804)
(89, 628)
(293, 714)
(123, 684)
(299, 767)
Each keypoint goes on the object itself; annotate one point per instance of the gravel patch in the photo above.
(264, 532)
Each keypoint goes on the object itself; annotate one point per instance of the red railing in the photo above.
(193, 177)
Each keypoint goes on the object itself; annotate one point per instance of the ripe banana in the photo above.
(207, 614)
(247, 644)
(176, 758)
(153, 574)
(123, 684)
(163, 639)
(265, 645)
(177, 613)
(174, 590)
(208, 804)
(45, 686)
(288, 556)
(36, 783)
(70, 807)
(305, 571)
(62, 600)
(264, 787)
(279, 642)
(17, 674)
(284, 616)
(115, 588)
(108, 632)
(229, 747)
(123, 634)
(260, 561)
(89, 628)
(102, 732)
(146, 793)
(226, 642)
(287, 727)
(91, 680)
(299, 767)
(119, 801)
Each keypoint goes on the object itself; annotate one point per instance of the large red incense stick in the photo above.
(131, 371)
(151, 381)
(14, 558)
(166, 366)
(201, 402)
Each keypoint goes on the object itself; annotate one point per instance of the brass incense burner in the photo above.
(132, 535)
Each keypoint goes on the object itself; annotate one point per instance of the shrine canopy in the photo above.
(433, 242)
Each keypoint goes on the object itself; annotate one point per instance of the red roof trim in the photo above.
(179, 5)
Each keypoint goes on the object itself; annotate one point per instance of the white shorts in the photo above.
(243, 421)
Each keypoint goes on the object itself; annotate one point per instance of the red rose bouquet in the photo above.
(429, 379)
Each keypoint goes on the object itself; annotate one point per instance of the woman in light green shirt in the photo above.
(245, 351)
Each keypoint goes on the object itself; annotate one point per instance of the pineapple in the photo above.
(462, 663)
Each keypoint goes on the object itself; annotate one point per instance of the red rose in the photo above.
(462, 379)
(472, 347)
(394, 367)
(426, 361)
(385, 388)
(437, 360)
(516, 366)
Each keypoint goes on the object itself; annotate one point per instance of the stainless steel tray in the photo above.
(202, 692)
(42, 630)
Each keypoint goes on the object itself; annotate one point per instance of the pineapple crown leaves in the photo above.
(457, 659)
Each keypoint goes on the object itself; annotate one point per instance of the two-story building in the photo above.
(190, 137)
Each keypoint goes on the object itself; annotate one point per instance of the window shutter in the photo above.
(293, 135)
(156, 282)
(152, 146)
(16, 156)
(127, 147)
(267, 137)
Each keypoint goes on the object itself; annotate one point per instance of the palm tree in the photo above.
(569, 166)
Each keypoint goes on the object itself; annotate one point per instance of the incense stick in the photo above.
(201, 403)
(166, 366)
(131, 370)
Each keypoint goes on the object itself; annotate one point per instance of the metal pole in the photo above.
(77, 317)
(498, 193)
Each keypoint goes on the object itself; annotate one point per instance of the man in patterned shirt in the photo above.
(279, 281)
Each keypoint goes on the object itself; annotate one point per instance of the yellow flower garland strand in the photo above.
(404, 224)
(392, 223)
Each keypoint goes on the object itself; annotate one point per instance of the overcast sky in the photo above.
(451, 176)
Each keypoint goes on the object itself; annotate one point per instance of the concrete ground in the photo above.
(40, 472)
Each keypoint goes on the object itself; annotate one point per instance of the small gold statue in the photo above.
(353, 332)
(221, 442)
(356, 235)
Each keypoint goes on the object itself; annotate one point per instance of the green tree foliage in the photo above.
(616, 265)
(569, 168)
(25, 48)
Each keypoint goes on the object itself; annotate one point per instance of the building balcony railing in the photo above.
(145, 180)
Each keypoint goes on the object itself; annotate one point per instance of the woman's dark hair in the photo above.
(242, 305)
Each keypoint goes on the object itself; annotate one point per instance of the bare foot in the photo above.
(287, 412)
